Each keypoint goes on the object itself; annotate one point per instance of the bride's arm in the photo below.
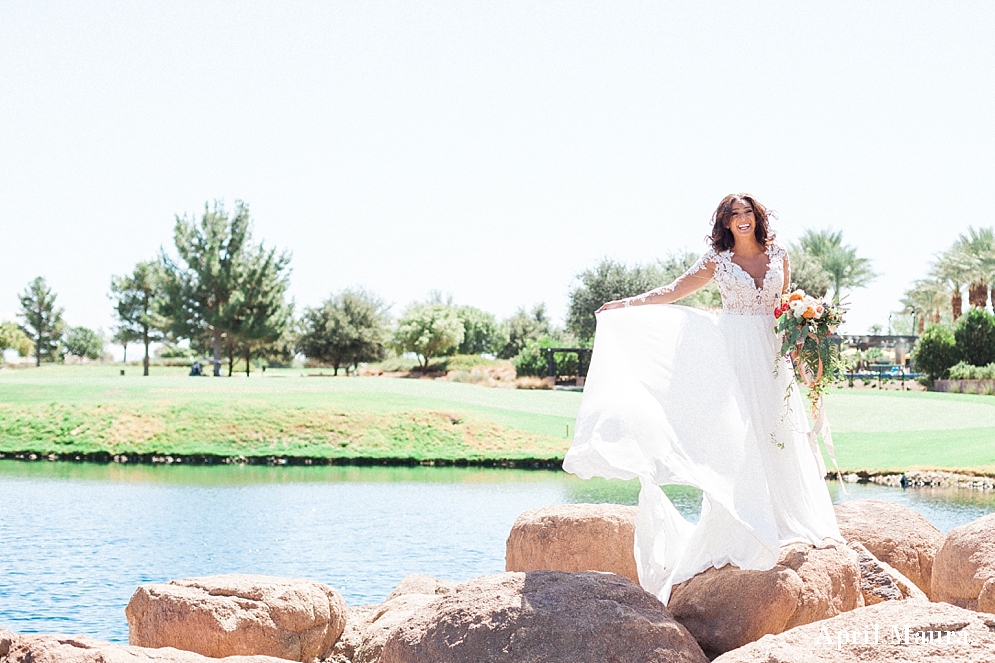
(787, 276)
(694, 279)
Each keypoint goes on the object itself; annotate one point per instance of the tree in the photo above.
(223, 290)
(926, 300)
(349, 328)
(607, 281)
(123, 337)
(13, 337)
(481, 332)
(948, 271)
(935, 352)
(260, 314)
(523, 327)
(138, 296)
(840, 261)
(429, 330)
(975, 337)
(83, 342)
(807, 272)
(42, 319)
(974, 254)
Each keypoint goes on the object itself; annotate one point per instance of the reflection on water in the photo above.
(77, 539)
(946, 508)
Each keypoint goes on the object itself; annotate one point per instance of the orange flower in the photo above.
(809, 313)
(795, 296)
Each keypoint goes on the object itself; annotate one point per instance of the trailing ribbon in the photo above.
(820, 425)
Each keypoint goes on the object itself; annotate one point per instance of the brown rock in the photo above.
(78, 649)
(548, 616)
(356, 621)
(986, 600)
(6, 639)
(238, 614)
(964, 565)
(419, 584)
(574, 537)
(893, 533)
(936, 632)
(727, 608)
(879, 581)
(392, 613)
(367, 627)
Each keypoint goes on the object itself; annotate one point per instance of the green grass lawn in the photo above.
(89, 409)
(896, 430)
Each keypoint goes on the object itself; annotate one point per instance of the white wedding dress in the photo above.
(676, 395)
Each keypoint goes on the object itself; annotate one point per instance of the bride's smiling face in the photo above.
(742, 222)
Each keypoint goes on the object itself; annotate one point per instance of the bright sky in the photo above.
(490, 150)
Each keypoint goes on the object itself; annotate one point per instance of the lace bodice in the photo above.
(740, 294)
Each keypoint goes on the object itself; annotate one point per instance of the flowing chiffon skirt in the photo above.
(680, 396)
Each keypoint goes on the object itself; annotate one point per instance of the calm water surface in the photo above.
(77, 539)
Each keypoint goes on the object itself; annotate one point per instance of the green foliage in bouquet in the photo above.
(807, 327)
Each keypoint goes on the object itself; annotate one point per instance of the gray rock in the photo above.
(548, 616)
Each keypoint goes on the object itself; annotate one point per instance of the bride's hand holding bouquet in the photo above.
(805, 325)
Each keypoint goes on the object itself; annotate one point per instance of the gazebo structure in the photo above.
(902, 345)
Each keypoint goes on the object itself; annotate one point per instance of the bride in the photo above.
(676, 395)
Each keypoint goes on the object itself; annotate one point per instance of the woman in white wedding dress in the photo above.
(676, 395)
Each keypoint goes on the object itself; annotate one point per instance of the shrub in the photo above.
(175, 352)
(398, 364)
(965, 371)
(531, 361)
(466, 362)
(82, 342)
(975, 337)
(935, 352)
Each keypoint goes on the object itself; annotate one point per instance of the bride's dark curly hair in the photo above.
(722, 238)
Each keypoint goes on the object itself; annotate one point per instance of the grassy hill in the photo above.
(68, 410)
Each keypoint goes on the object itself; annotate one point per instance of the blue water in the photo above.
(77, 539)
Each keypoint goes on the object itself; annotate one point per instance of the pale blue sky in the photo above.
(486, 149)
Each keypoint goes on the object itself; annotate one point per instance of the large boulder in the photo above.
(964, 569)
(549, 616)
(238, 614)
(382, 622)
(908, 631)
(367, 627)
(574, 537)
(729, 607)
(895, 534)
(420, 584)
(78, 649)
(356, 621)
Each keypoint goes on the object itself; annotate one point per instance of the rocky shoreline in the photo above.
(970, 479)
(105, 457)
(897, 590)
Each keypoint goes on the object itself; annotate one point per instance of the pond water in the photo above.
(76, 539)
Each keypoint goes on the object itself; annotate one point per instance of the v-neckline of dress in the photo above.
(753, 280)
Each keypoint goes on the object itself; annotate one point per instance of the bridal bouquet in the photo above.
(805, 324)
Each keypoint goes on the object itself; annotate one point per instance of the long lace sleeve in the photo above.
(778, 252)
(697, 276)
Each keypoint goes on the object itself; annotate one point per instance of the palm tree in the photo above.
(949, 271)
(974, 251)
(845, 269)
(926, 300)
